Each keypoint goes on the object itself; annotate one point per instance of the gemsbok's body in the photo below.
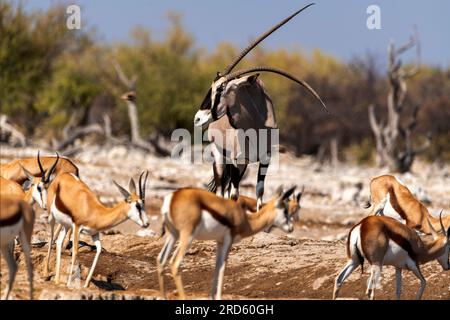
(240, 118)
(191, 213)
(408, 209)
(16, 219)
(386, 241)
(73, 205)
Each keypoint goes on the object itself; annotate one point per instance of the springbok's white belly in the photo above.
(209, 228)
(396, 256)
(61, 217)
(8, 233)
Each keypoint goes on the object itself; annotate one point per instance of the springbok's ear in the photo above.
(122, 190)
(288, 193)
(132, 186)
(252, 79)
(26, 184)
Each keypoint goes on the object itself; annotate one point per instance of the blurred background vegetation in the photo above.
(48, 73)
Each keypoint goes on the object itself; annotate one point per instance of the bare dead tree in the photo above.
(10, 134)
(393, 141)
(130, 98)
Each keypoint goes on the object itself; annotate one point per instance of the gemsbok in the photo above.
(16, 219)
(386, 241)
(73, 205)
(191, 213)
(241, 122)
(406, 208)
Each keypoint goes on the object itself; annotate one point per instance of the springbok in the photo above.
(13, 170)
(16, 219)
(406, 207)
(191, 213)
(386, 241)
(248, 131)
(73, 205)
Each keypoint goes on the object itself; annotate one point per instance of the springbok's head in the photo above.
(40, 185)
(294, 205)
(280, 204)
(218, 97)
(444, 236)
(135, 202)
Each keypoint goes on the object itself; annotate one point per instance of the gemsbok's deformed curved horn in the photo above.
(239, 73)
(244, 52)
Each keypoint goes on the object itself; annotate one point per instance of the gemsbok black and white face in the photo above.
(215, 102)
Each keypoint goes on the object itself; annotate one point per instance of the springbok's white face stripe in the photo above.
(40, 196)
(202, 118)
(137, 213)
(283, 220)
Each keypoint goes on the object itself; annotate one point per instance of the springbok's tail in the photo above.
(380, 207)
(360, 258)
(368, 204)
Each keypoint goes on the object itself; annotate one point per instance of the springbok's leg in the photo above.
(25, 242)
(8, 253)
(185, 242)
(76, 235)
(162, 260)
(237, 172)
(374, 280)
(50, 243)
(67, 238)
(416, 270)
(59, 242)
(222, 254)
(98, 246)
(345, 272)
(398, 278)
(262, 171)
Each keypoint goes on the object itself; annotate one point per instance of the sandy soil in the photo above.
(301, 265)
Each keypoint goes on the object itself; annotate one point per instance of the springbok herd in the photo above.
(405, 237)
(236, 100)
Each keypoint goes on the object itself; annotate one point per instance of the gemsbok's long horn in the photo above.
(244, 52)
(280, 72)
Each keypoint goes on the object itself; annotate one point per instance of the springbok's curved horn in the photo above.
(244, 52)
(280, 72)
(52, 169)
(142, 184)
(40, 166)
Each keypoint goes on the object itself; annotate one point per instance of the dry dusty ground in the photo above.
(301, 265)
